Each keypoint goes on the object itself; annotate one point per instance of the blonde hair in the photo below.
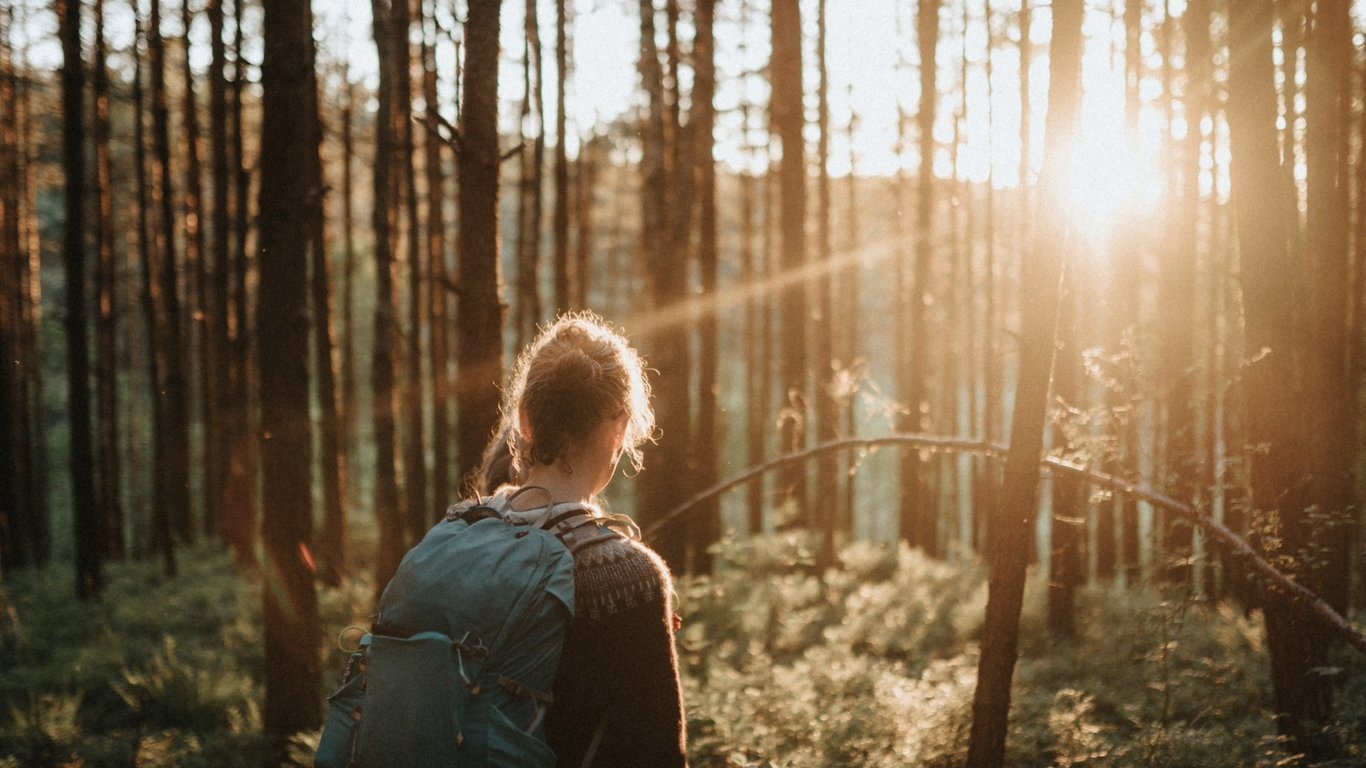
(577, 373)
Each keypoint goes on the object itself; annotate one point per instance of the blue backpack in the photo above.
(457, 667)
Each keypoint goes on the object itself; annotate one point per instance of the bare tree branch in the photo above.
(1277, 581)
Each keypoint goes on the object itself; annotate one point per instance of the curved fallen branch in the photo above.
(1235, 543)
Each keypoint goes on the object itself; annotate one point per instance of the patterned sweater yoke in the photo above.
(617, 574)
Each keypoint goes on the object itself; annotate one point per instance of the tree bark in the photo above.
(175, 388)
(435, 256)
(332, 549)
(479, 320)
(707, 529)
(1008, 532)
(197, 267)
(566, 274)
(86, 513)
(107, 309)
(290, 609)
(389, 512)
(786, 123)
(217, 405)
(823, 372)
(529, 304)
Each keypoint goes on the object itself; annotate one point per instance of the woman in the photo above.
(578, 401)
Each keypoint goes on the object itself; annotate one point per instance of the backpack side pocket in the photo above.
(336, 746)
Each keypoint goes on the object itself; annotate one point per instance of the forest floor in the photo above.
(873, 664)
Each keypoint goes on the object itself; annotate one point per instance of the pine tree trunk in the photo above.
(389, 513)
(666, 346)
(418, 516)
(196, 265)
(435, 256)
(529, 305)
(163, 540)
(288, 149)
(86, 514)
(479, 320)
(217, 405)
(566, 276)
(1008, 533)
(14, 549)
(177, 456)
(107, 314)
(827, 414)
(706, 524)
(787, 121)
(332, 542)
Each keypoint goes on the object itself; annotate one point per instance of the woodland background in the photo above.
(1023, 429)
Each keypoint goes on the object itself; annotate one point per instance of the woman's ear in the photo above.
(524, 425)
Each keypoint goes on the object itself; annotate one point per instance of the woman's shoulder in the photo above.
(618, 574)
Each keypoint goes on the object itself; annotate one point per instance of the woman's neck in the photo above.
(562, 486)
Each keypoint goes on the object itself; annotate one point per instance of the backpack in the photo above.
(457, 667)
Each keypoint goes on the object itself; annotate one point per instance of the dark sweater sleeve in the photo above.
(619, 668)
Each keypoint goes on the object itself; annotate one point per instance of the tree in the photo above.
(89, 523)
(1008, 531)
(532, 157)
(217, 406)
(566, 276)
(386, 343)
(175, 432)
(918, 514)
(332, 451)
(479, 319)
(706, 529)
(196, 266)
(437, 294)
(827, 414)
(290, 610)
(107, 314)
(786, 123)
(666, 345)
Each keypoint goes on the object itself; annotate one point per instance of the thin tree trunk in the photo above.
(348, 326)
(529, 305)
(827, 413)
(217, 447)
(14, 511)
(389, 512)
(85, 514)
(288, 153)
(196, 266)
(479, 321)
(330, 444)
(436, 265)
(418, 514)
(918, 506)
(1008, 534)
(163, 540)
(107, 313)
(176, 391)
(566, 274)
(786, 123)
(706, 530)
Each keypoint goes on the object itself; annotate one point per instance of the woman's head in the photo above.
(578, 374)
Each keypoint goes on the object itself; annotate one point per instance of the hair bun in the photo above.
(576, 366)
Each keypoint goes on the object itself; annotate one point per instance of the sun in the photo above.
(1107, 184)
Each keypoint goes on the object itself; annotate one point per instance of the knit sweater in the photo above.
(619, 668)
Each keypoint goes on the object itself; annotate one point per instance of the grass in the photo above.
(870, 665)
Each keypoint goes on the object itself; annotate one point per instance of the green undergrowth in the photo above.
(872, 664)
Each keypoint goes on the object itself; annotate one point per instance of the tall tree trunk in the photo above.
(197, 267)
(786, 123)
(1068, 521)
(665, 347)
(240, 487)
(348, 326)
(479, 320)
(163, 540)
(566, 275)
(437, 300)
(85, 514)
(419, 516)
(1279, 488)
(217, 404)
(827, 413)
(850, 351)
(1008, 534)
(330, 445)
(389, 513)
(288, 150)
(706, 525)
(15, 522)
(918, 513)
(175, 388)
(529, 306)
(107, 314)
